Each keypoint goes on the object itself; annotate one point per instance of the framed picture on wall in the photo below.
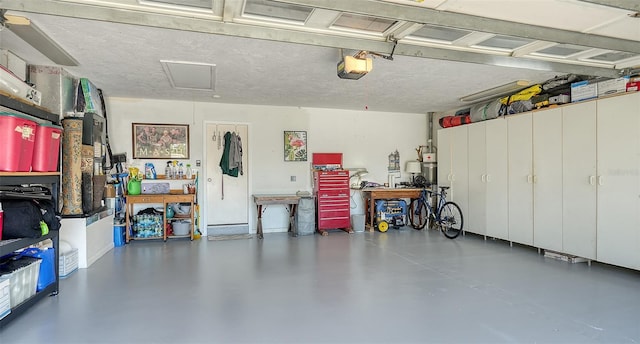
(160, 141)
(295, 146)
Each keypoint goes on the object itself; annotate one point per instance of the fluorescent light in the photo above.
(32, 35)
(496, 92)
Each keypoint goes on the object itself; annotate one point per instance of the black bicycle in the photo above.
(447, 216)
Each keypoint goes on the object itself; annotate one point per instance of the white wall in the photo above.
(365, 138)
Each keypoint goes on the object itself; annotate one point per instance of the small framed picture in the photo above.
(160, 141)
(295, 146)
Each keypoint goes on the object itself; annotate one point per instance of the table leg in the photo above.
(372, 206)
(127, 223)
(293, 226)
(260, 236)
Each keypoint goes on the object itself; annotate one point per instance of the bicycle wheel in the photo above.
(418, 214)
(450, 220)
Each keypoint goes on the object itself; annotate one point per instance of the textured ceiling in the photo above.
(124, 60)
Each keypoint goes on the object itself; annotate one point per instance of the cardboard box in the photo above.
(583, 90)
(14, 64)
(613, 86)
(560, 99)
(633, 86)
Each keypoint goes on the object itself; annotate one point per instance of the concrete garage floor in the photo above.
(403, 286)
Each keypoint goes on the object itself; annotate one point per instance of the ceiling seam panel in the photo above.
(470, 22)
(132, 17)
(631, 5)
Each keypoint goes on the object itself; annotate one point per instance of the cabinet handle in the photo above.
(484, 178)
(529, 179)
(488, 178)
(600, 180)
(592, 180)
(453, 177)
(535, 179)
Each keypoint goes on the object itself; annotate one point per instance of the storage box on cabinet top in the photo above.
(46, 148)
(17, 138)
(583, 90)
(613, 86)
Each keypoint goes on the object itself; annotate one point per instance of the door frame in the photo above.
(204, 221)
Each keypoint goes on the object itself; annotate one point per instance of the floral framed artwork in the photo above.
(295, 146)
(160, 141)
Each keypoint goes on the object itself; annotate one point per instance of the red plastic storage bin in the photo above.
(17, 138)
(46, 148)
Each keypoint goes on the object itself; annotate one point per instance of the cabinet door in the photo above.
(459, 191)
(579, 179)
(444, 157)
(497, 203)
(547, 179)
(475, 220)
(520, 150)
(618, 182)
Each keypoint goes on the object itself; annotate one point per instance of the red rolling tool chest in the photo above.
(331, 186)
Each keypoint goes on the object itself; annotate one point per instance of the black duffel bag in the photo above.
(21, 219)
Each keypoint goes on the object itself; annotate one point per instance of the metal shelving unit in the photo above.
(22, 178)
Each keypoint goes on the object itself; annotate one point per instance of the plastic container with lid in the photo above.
(46, 148)
(17, 137)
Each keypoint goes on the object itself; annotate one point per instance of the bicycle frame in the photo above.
(425, 197)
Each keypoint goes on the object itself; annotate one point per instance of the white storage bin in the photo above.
(68, 263)
(5, 304)
(23, 281)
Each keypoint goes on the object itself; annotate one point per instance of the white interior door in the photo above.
(227, 197)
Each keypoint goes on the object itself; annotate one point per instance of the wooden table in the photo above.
(291, 201)
(162, 199)
(373, 194)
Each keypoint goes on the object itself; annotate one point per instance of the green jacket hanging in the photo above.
(224, 160)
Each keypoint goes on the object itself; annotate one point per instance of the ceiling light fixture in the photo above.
(32, 35)
(496, 92)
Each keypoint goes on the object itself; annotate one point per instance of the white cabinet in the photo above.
(579, 179)
(476, 218)
(453, 166)
(520, 154)
(564, 179)
(547, 179)
(618, 153)
(487, 213)
(444, 156)
(496, 178)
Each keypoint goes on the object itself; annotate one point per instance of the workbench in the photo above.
(291, 201)
(163, 200)
(372, 194)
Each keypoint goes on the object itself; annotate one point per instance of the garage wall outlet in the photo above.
(293, 178)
